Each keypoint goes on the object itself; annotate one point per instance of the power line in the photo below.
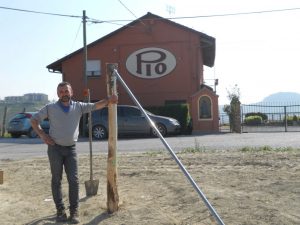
(170, 18)
(131, 12)
(76, 36)
(236, 14)
(57, 14)
(37, 12)
(216, 15)
(91, 20)
(127, 8)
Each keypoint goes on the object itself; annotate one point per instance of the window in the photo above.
(131, 112)
(205, 108)
(93, 68)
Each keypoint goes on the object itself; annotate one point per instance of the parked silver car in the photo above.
(20, 125)
(131, 121)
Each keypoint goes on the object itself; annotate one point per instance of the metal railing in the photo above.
(277, 118)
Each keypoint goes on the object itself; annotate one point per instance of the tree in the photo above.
(234, 109)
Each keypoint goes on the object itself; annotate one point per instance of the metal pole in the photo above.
(90, 138)
(285, 120)
(87, 94)
(186, 173)
(86, 91)
(84, 50)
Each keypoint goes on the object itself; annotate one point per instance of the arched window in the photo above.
(205, 108)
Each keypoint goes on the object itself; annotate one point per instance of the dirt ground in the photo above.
(245, 187)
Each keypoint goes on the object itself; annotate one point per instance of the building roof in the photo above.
(207, 42)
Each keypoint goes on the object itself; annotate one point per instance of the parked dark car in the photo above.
(20, 125)
(131, 121)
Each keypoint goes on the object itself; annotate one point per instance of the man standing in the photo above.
(64, 116)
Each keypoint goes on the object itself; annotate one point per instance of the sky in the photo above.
(257, 52)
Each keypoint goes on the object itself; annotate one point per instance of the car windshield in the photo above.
(134, 111)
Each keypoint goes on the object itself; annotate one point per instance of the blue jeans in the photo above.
(64, 157)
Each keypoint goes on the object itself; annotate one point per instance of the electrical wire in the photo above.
(235, 14)
(131, 12)
(127, 8)
(215, 15)
(79, 27)
(170, 18)
(37, 12)
(96, 21)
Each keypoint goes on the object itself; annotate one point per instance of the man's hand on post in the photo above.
(113, 99)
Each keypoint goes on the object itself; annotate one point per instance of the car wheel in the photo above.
(162, 129)
(32, 133)
(99, 132)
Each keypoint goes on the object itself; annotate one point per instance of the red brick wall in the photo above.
(182, 83)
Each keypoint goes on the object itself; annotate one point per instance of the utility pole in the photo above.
(84, 50)
(85, 90)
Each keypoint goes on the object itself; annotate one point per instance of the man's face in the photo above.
(64, 93)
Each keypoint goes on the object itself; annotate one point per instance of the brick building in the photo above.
(160, 60)
(30, 97)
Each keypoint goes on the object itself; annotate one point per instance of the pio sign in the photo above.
(150, 63)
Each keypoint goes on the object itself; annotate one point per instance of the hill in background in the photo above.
(279, 99)
(282, 97)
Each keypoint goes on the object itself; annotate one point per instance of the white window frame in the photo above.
(93, 68)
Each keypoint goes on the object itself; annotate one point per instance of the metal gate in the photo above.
(275, 118)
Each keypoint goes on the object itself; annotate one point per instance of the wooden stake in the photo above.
(1, 177)
(3, 122)
(112, 187)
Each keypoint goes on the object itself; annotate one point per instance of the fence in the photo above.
(278, 118)
(224, 122)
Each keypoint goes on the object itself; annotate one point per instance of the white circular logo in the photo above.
(150, 63)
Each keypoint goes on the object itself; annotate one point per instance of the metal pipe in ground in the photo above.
(91, 186)
(186, 173)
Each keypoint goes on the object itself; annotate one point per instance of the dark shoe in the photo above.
(61, 216)
(74, 218)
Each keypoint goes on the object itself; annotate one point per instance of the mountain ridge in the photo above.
(282, 97)
(275, 99)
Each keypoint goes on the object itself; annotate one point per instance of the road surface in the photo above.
(26, 148)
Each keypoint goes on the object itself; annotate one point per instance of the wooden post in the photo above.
(112, 187)
(1, 177)
(3, 122)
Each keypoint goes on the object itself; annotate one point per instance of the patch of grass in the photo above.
(153, 153)
(192, 150)
(6, 135)
(195, 149)
(267, 148)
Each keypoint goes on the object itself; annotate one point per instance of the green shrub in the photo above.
(262, 115)
(176, 111)
(253, 120)
(291, 119)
